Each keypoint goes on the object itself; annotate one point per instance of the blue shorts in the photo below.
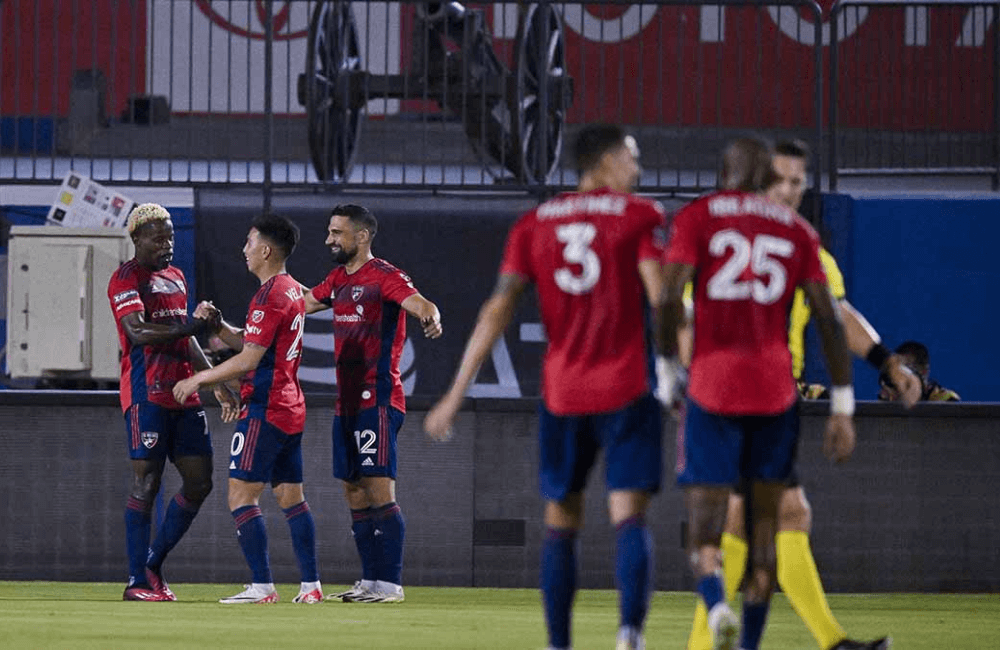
(154, 432)
(261, 452)
(721, 450)
(632, 440)
(365, 444)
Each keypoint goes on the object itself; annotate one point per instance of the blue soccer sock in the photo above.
(389, 534)
(711, 590)
(252, 535)
(559, 583)
(634, 570)
(754, 618)
(180, 514)
(303, 528)
(363, 530)
(137, 525)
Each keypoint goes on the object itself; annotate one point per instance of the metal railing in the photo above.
(919, 95)
(417, 95)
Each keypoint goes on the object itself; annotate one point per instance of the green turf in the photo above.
(80, 616)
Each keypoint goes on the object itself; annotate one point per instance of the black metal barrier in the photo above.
(915, 509)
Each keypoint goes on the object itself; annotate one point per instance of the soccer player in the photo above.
(370, 299)
(267, 444)
(149, 301)
(593, 256)
(745, 254)
(797, 574)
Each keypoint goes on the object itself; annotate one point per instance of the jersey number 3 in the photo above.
(577, 238)
(761, 255)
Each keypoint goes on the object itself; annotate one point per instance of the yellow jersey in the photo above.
(799, 317)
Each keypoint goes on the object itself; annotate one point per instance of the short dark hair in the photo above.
(593, 141)
(918, 351)
(745, 165)
(358, 215)
(278, 230)
(793, 149)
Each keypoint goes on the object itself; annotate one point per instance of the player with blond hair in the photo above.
(149, 301)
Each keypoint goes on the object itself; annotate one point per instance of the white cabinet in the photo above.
(59, 322)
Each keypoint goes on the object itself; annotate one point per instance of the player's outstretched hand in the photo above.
(439, 420)
(207, 311)
(838, 442)
(184, 389)
(432, 326)
(909, 385)
(230, 403)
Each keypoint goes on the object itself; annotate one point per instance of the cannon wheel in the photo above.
(540, 46)
(334, 120)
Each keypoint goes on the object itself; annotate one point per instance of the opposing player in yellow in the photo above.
(797, 574)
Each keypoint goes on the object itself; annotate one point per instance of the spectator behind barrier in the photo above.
(916, 357)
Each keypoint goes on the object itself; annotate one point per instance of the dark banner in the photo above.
(451, 247)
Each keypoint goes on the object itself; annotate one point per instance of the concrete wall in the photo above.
(914, 510)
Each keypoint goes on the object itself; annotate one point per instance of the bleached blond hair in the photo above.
(145, 213)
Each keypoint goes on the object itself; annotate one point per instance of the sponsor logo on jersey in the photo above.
(149, 439)
(134, 301)
(348, 318)
(257, 316)
(251, 329)
(357, 292)
(360, 309)
(167, 313)
(125, 295)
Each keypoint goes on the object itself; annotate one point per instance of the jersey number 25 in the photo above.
(761, 255)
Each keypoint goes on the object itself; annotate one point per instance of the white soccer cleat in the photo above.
(383, 592)
(309, 597)
(257, 594)
(725, 627)
(360, 588)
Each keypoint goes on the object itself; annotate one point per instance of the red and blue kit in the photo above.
(369, 328)
(749, 254)
(275, 321)
(149, 372)
(581, 250)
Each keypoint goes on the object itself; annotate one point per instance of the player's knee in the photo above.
(794, 512)
(759, 585)
(145, 485)
(197, 490)
(735, 517)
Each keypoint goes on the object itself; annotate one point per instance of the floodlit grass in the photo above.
(80, 616)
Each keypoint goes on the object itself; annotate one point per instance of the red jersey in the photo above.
(582, 251)
(749, 254)
(275, 321)
(149, 372)
(369, 329)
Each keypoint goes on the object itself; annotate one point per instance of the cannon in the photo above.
(513, 117)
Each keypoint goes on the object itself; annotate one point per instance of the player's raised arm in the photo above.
(312, 305)
(494, 317)
(426, 312)
(139, 332)
(865, 343)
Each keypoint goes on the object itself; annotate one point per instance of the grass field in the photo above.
(81, 616)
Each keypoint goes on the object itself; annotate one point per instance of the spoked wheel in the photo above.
(541, 78)
(334, 116)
